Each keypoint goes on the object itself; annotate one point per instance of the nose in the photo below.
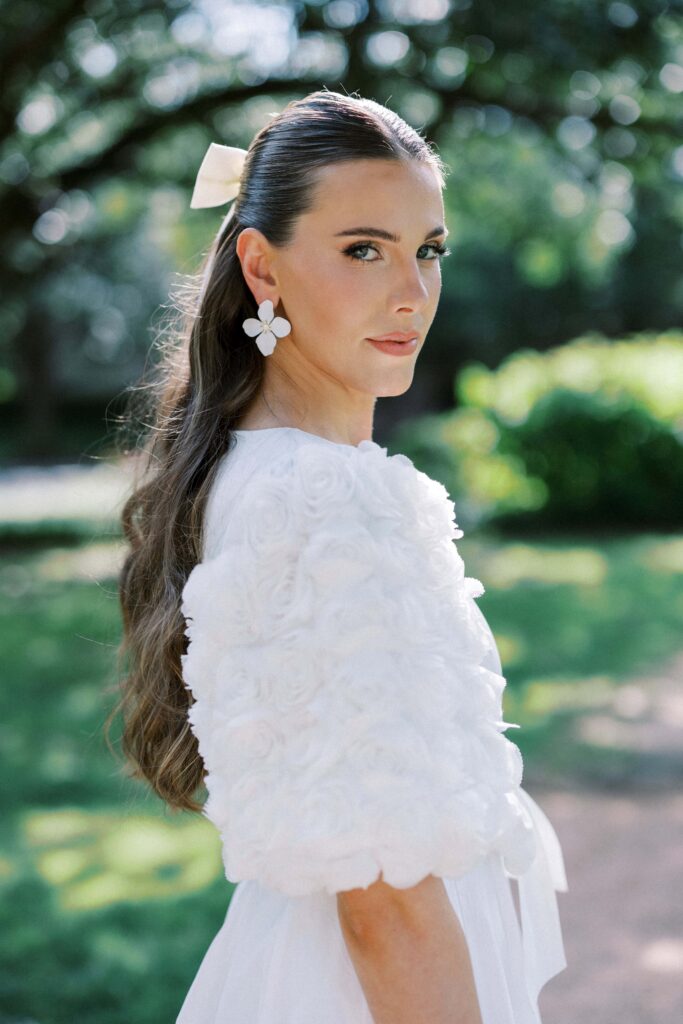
(411, 292)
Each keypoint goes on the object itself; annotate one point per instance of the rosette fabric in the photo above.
(345, 703)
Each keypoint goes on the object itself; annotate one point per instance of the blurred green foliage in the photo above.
(560, 124)
(647, 367)
(589, 434)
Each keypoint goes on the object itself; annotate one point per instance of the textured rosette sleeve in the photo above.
(346, 706)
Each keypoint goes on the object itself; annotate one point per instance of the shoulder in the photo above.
(313, 518)
(297, 483)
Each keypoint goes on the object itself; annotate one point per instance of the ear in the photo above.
(254, 252)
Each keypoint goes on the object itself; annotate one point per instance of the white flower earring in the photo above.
(267, 329)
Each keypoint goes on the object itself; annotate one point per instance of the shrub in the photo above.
(589, 433)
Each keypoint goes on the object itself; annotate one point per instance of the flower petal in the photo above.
(265, 311)
(280, 326)
(266, 342)
(252, 327)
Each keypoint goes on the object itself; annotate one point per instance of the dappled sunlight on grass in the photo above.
(94, 561)
(36, 494)
(601, 729)
(578, 609)
(606, 731)
(542, 697)
(576, 565)
(24, 574)
(554, 704)
(96, 859)
(663, 556)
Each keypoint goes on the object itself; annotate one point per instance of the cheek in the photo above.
(306, 287)
(435, 290)
(333, 297)
(338, 300)
(351, 296)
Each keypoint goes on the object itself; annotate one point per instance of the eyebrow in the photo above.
(388, 235)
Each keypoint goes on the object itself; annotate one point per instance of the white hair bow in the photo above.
(218, 178)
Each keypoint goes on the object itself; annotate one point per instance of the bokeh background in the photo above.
(549, 400)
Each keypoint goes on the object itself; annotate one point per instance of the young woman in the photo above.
(301, 634)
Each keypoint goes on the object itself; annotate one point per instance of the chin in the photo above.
(393, 388)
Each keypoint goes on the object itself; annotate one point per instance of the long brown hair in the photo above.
(208, 374)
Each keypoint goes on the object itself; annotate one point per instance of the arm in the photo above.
(410, 953)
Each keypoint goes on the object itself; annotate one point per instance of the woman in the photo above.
(302, 636)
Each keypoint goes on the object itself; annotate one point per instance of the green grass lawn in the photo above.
(109, 900)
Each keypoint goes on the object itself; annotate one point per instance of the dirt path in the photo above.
(622, 917)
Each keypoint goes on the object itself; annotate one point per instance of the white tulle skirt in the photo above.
(283, 960)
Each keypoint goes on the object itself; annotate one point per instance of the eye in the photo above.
(438, 248)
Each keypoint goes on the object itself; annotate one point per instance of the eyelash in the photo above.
(438, 247)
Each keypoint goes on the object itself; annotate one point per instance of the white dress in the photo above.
(348, 707)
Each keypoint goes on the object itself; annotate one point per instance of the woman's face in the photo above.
(339, 283)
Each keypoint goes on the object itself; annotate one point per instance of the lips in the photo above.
(396, 348)
(396, 336)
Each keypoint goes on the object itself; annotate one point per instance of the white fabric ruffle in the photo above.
(348, 704)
